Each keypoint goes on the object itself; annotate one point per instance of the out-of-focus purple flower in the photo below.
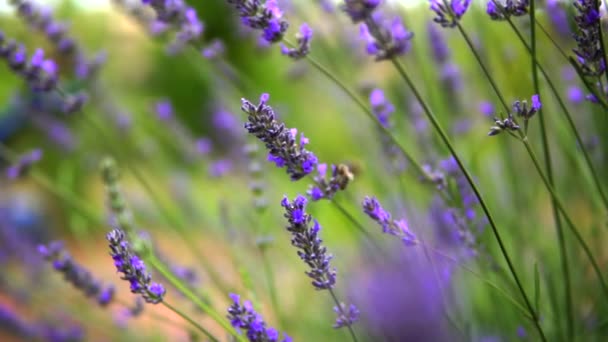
(24, 163)
(359, 10)
(326, 188)
(439, 47)
(449, 12)
(511, 8)
(303, 48)
(280, 141)
(214, 49)
(203, 146)
(575, 94)
(487, 108)
(41, 74)
(220, 167)
(395, 313)
(182, 17)
(164, 110)
(75, 274)
(385, 39)
(306, 239)
(133, 268)
(346, 316)
(399, 228)
(381, 107)
(57, 131)
(243, 316)
(558, 18)
(15, 325)
(266, 17)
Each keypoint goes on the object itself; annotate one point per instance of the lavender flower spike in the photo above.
(133, 268)
(346, 317)
(374, 210)
(303, 37)
(589, 50)
(75, 274)
(266, 17)
(40, 73)
(449, 15)
(279, 140)
(244, 317)
(359, 10)
(307, 240)
(385, 39)
(24, 163)
(511, 8)
(177, 14)
(326, 188)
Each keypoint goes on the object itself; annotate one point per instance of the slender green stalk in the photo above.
(478, 195)
(569, 221)
(161, 268)
(272, 289)
(577, 136)
(358, 225)
(190, 320)
(337, 302)
(549, 172)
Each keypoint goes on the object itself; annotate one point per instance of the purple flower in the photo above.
(575, 94)
(24, 163)
(520, 108)
(214, 49)
(243, 316)
(588, 51)
(303, 38)
(381, 107)
(511, 8)
(346, 316)
(359, 10)
(559, 19)
(399, 228)
(41, 74)
(386, 39)
(487, 108)
(266, 17)
(280, 141)
(164, 110)
(306, 239)
(439, 47)
(75, 274)
(449, 12)
(133, 268)
(180, 16)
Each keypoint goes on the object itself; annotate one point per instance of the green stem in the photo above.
(272, 289)
(349, 326)
(161, 268)
(549, 172)
(478, 195)
(577, 136)
(190, 320)
(569, 221)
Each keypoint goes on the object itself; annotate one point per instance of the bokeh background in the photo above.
(187, 179)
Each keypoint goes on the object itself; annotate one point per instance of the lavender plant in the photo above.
(476, 256)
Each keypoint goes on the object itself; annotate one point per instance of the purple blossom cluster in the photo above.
(243, 316)
(133, 268)
(385, 38)
(511, 8)
(280, 141)
(303, 40)
(177, 14)
(40, 73)
(347, 316)
(398, 228)
(306, 239)
(359, 10)
(20, 168)
(589, 53)
(448, 13)
(76, 274)
(264, 16)
(520, 109)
